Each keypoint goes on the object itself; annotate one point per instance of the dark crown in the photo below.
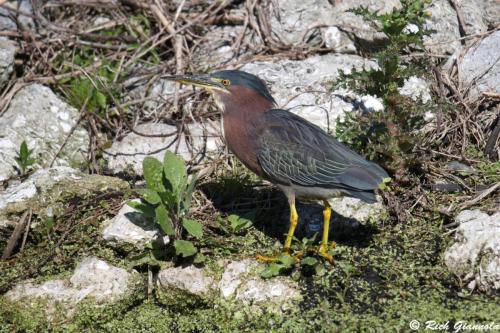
(245, 79)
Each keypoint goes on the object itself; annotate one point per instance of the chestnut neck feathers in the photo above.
(242, 107)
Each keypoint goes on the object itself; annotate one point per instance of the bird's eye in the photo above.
(225, 82)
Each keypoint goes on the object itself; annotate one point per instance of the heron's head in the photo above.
(229, 87)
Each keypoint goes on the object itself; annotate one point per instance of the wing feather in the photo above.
(291, 150)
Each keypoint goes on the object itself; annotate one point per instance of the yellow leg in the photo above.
(294, 218)
(323, 248)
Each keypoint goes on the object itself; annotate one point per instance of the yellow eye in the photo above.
(225, 82)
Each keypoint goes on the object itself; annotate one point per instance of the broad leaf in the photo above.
(271, 270)
(174, 169)
(184, 248)
(163, 219)
(24, 151)
(238, 223)
(287, 260)
(199, 258)
(150, 196)
(142, 207)
(194, 228)
(309, 261)
(153, 174)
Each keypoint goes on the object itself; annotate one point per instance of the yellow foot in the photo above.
(333, 245)
(276, 257)
(323, 251)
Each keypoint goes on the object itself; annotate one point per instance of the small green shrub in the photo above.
(389, 137)
(167, 198)
(24, 159)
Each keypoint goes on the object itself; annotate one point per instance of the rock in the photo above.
(43, 190)
(7, 53)
(443, 20)
(304, 86)
(293, 22)
(8, 22)
(239, 281)
(127, 155)
(40, 118)
(348, 214)
(479, 68)
(129, 227)
(417, 89)
(475, 254)
(93, 279)
(190, 279)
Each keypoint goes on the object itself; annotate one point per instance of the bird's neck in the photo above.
(239, 116)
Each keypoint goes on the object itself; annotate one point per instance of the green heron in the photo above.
(294, 154)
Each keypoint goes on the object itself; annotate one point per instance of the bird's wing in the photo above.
(291, 150)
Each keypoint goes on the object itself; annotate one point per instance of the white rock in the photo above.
(478, 14)
(188, 279)
(128, 154)
(338, 40)
(8, 22)
(475, 255)
(257, 290)
(7, 53)
(97, 279)
(233, 276)
(292, 20)
(40, 179)
(42, 190)
(29, 118)
(303, 86)
(130, 227)
(93, 278)
(479, 68)
(417, 89)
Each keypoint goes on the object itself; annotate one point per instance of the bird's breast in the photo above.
(239, 140)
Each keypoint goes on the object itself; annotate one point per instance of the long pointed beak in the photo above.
(203, 81)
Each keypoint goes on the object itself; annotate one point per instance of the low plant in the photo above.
(167, 199)
(24, 159)
(389, 137)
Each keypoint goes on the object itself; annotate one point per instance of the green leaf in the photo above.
(199, 258)
(309, 261)
(24, 151)
(142, 207)
(238, 223)
(287, 260)
(153, 174)
(150, 196)
(194, 228)
(174, 169)
(184, 248)
(271, 270)
(101, 99)
(188, 194)
(163, 219)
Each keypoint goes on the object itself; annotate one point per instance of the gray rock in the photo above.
(190, 280)
(93, 279)
(239, 281)
(475, 254)
(293, 22)
(127, 155)
(479, 68)
(131, 227)
(347, 215)
(26, 22)
(477, 15)
(7, 53)
(42, 190)
(304, 86)
(40, 118)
